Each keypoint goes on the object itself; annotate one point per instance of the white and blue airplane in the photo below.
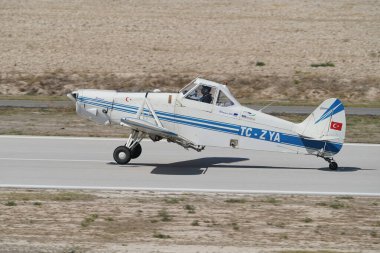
(204, 113)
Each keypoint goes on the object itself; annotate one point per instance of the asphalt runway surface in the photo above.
(87, 163)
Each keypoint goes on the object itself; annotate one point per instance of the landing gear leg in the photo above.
(131, 149)
(332, 164)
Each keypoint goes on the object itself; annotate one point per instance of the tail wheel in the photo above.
(136, 151)
(333, 166)
(122, 155)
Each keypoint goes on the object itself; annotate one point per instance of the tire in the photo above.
(122, 155)
(333, 166)
(136, 151)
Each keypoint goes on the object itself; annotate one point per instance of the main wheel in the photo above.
(122, 155)
(333, 166)
(136, 151)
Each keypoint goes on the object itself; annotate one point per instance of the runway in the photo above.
(87, 163)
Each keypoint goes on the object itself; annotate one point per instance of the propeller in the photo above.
(73, 96)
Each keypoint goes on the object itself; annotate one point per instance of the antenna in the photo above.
(267, 106)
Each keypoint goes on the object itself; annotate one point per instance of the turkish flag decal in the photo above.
(336, 126)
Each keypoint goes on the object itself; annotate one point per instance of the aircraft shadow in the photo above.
(200, 165)
(343, 169)
(192, 167)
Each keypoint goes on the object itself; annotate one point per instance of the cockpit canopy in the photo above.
(206, 91)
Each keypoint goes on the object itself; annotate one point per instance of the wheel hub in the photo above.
(122, 155)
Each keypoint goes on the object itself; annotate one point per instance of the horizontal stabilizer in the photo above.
(321, 138)
(329, 138)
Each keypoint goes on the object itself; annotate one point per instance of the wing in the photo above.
(147, 127)
(138, 124)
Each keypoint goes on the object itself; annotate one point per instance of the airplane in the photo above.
(205, 113)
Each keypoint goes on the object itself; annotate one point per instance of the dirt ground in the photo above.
(125, 221)
(287, 50)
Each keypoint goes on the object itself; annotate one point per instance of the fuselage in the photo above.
(203, 124)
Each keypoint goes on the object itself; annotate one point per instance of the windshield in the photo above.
(188, 87)
(223, 100)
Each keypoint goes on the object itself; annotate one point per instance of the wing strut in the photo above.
(151, 110)
(140, 127)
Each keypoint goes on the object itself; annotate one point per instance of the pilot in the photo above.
(206, 96)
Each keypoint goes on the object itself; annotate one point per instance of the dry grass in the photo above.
(361, 129)
(313, 251)
(108, 219)
(54, 122)
(302, 88)
(49, 196)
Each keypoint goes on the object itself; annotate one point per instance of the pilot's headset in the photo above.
(205, 89)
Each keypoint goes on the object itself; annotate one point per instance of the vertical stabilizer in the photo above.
(327, 122)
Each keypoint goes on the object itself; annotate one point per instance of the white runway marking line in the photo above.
(51, 160)
(64, 187)
(361, 144)
(67, 138)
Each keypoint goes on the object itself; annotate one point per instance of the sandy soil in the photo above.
(99, 221)
(50, 47)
